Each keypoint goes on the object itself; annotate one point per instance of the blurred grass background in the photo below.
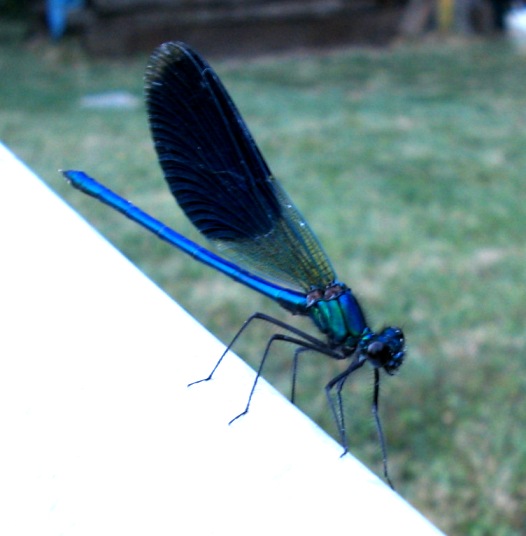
(409, 164)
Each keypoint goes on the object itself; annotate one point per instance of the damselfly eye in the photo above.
(387, 350)
(378, 354)
(375, 349)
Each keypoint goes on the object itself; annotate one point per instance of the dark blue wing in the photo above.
(219, 177)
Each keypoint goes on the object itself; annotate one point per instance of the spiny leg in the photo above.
(337, 409)
(375, 408)
(246, 323)
(261, 316)
(303, 345)
(297, 352)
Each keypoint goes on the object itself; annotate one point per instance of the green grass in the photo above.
(409, 163)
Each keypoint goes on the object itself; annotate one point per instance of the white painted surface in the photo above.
(101, 436)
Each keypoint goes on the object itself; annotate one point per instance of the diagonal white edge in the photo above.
(101, 436)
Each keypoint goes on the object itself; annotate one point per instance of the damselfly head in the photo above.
(386, 349)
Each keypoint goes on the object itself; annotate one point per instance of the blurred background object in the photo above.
(57, 12)
(515, 23)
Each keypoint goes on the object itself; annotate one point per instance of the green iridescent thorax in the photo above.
(336, 313)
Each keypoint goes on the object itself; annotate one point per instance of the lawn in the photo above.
(408, 162)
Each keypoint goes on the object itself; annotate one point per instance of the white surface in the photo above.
(101, 436)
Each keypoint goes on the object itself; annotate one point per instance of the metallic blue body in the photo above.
(338, 315)
(295, 302)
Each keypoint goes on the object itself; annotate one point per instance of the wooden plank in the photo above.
(127, 6)
(243, 32)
